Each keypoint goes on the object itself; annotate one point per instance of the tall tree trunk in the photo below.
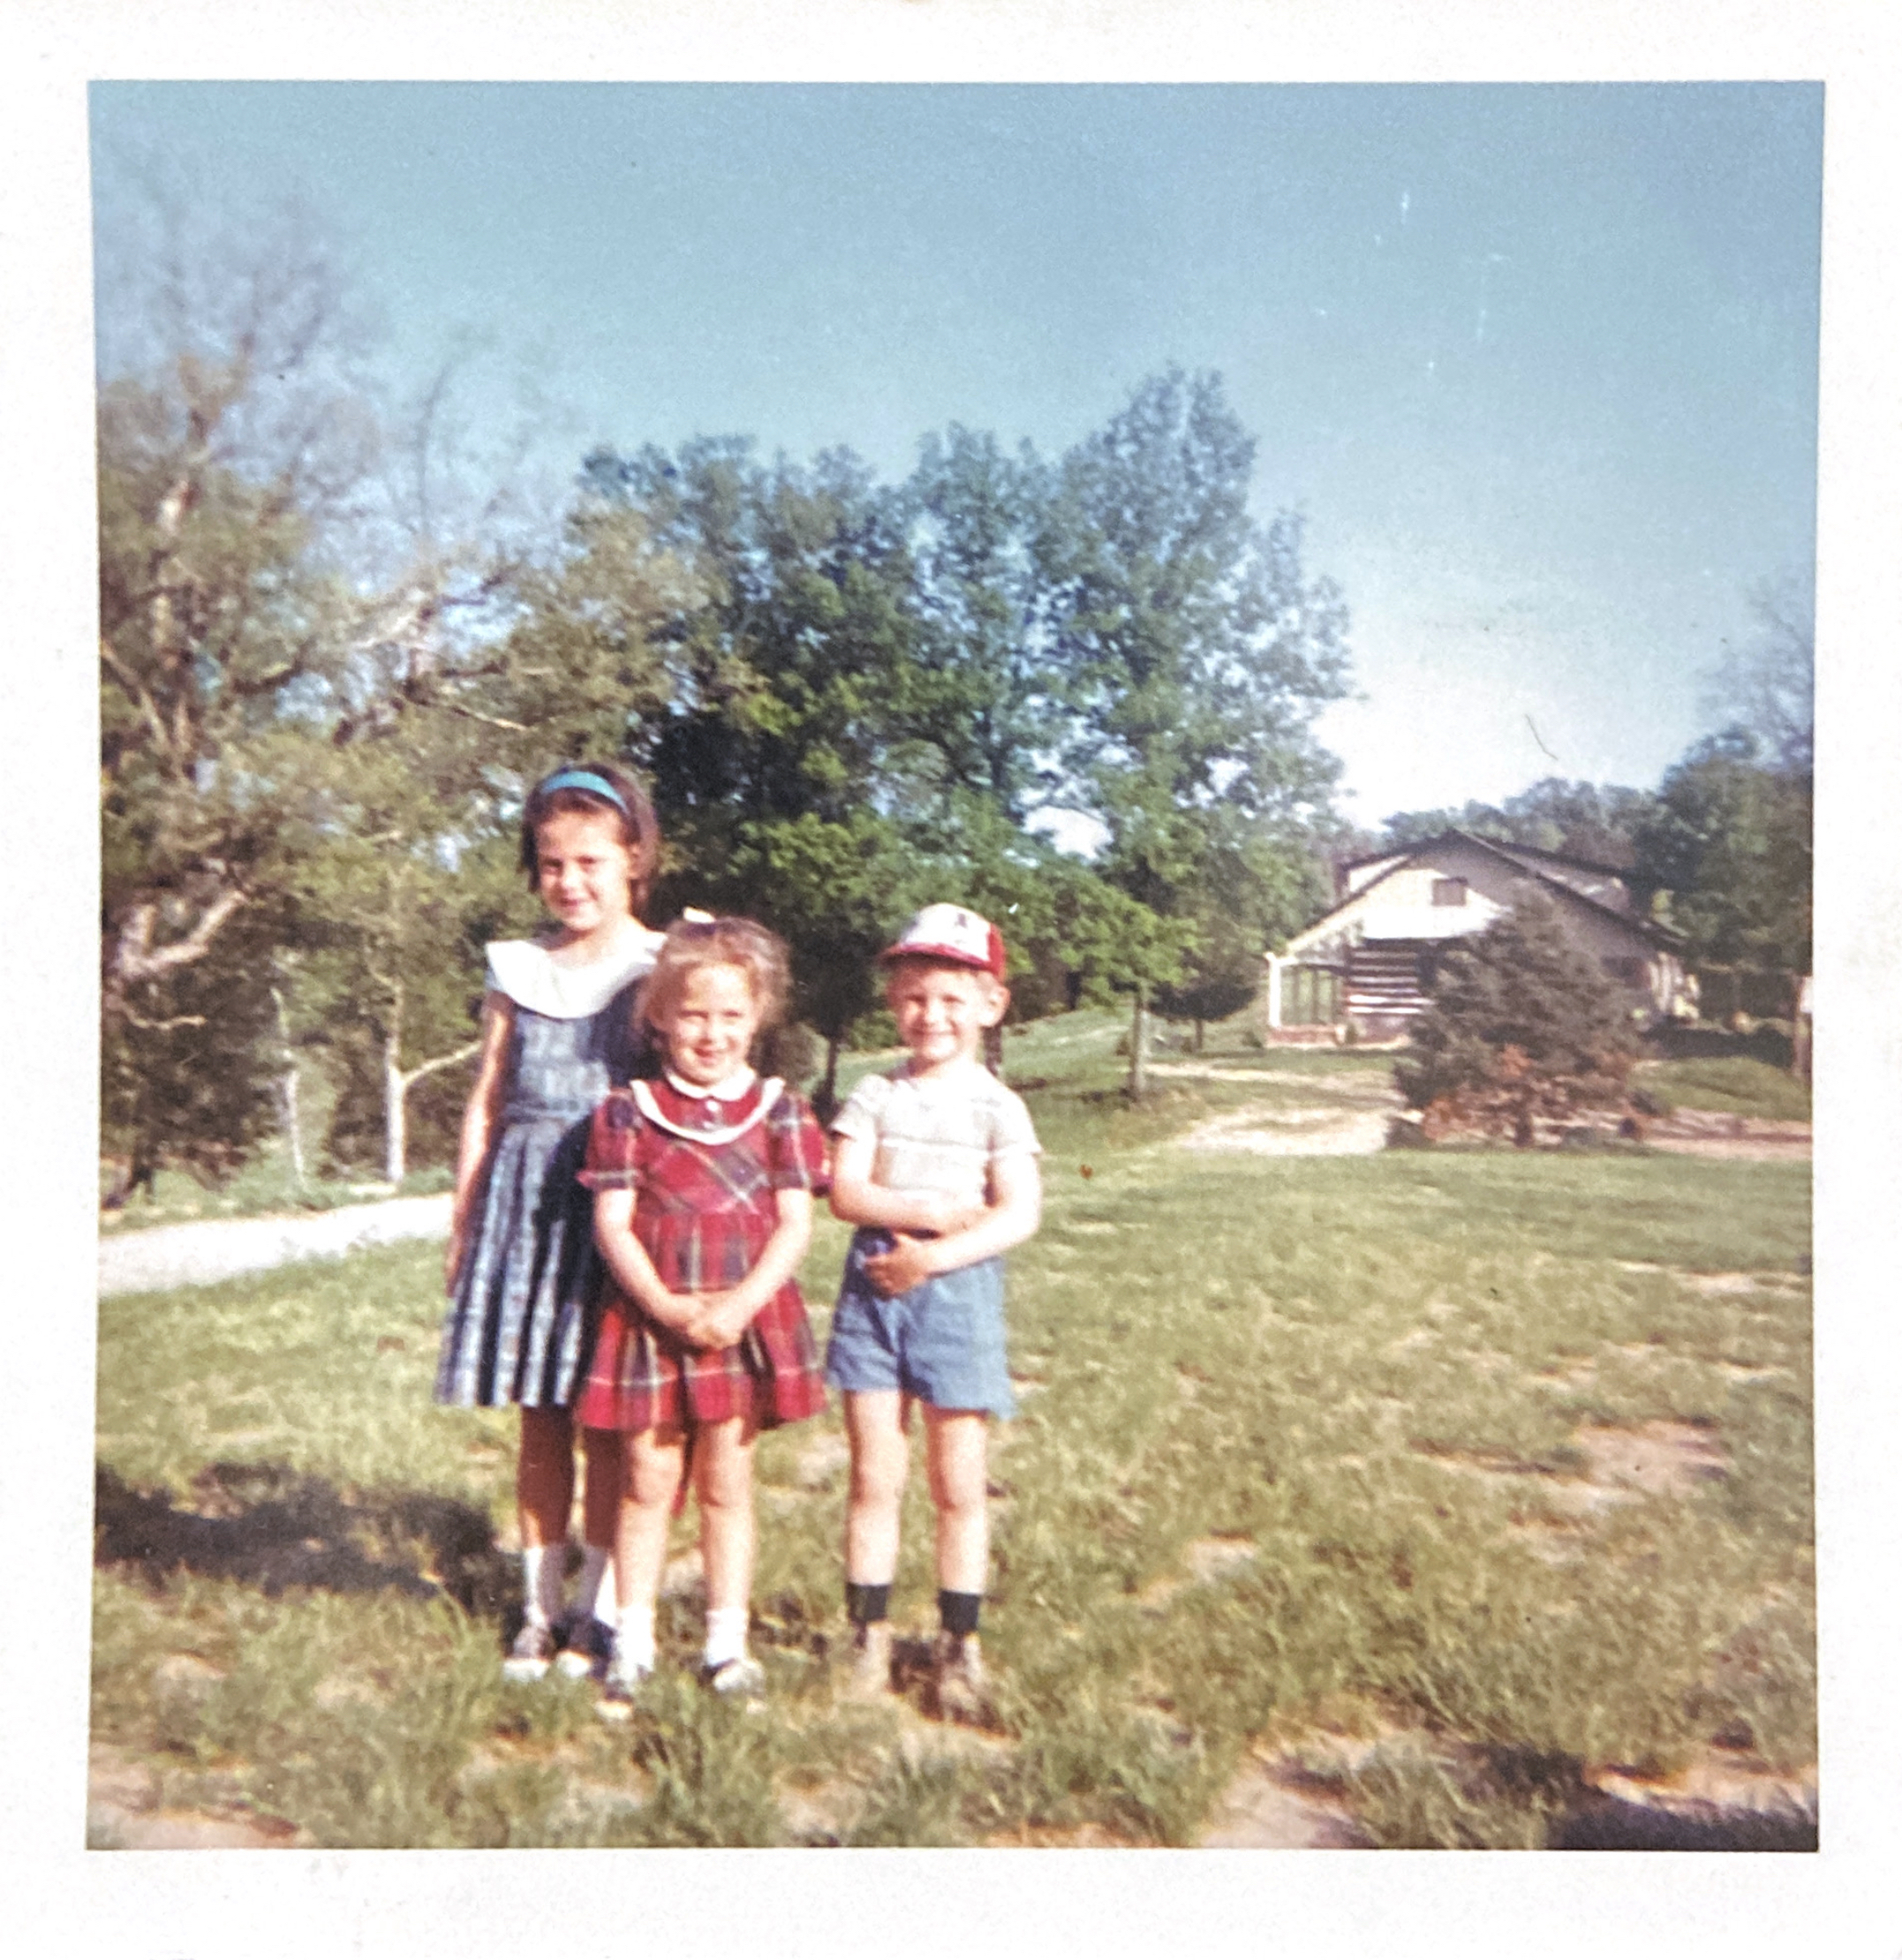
(396, 1093)
(399, 1082)
(994, 1049)
(1800, 1028)
(826, 1096)
(1138, 1048)
(287, 1091)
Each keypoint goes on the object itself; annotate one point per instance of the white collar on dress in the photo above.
(711, 1137)
(528, 973)
(730, 1090)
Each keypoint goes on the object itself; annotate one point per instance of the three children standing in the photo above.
(670, 1325)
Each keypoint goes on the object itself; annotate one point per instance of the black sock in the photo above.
(957, 1612)
(864, 1604)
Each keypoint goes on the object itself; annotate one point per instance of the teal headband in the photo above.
(584, 779)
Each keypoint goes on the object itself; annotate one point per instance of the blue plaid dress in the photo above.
(522, 1315)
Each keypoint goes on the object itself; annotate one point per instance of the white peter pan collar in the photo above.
(711, 1135)
(730, 1090)
(533, 978)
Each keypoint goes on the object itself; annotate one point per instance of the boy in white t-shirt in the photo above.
(936, 1163)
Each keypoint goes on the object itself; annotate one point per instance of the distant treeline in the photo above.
(331, 666)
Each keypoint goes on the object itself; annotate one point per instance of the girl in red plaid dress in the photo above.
(703, 1186)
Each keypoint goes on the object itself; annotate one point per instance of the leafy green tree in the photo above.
(1729, 851)
(1598, 822)
(190, 1077)
(586, 667)
(1194, 654)
(786, 680)
(394, 903)
(1191, 653)
(784, 761)
(212, 618)
(981, 682)
(1523, 1026)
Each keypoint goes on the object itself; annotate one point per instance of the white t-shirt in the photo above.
(938, 1133)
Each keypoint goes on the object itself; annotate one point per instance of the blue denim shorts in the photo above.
(942, 1342)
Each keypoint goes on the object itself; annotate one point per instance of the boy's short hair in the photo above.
(897, 966)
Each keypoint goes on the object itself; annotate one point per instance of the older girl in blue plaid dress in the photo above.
(703, 1208)
(524, 1280)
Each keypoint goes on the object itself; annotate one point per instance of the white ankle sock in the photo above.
(543, 1574)
(588, 1589)
(726, 1635)
(634, 1637)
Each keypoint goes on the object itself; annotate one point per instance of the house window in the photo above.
(1449, 891)
(1629, 973)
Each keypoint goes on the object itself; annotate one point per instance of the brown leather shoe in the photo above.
(962, 1688)
(870, 1677)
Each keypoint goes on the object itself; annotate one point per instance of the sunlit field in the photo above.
(1448, 1494)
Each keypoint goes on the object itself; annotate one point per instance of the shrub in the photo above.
(1524, 1031)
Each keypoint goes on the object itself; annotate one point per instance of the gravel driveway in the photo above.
(196, 1255)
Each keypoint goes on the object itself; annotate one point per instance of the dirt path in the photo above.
(1717, 1132)
(1348, 1119)
(1292, 1131)
(218, 1249)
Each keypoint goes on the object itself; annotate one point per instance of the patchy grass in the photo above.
(1737, 1084)
(1299, 1436)
(263, 1188)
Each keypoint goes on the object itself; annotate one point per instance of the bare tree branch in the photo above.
(489, 720)
(134, 957)
(409, 1077)
(160, 1027)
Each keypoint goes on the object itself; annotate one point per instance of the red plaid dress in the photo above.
(703, 1212)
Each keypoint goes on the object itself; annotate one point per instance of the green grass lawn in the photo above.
(265, 1186)
(1305, 1453)
(1739, 1084)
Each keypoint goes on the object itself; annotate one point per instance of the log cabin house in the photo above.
(1369, 964)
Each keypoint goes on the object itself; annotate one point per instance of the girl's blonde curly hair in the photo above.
(694, 943)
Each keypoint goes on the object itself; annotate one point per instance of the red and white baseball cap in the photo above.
(952, 932)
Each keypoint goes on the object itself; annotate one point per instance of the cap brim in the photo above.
(952, 955)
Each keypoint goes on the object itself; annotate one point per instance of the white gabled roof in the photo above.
(1355, 915)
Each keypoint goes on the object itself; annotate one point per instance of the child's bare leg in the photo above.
(955, 1451)
(653, 1459)
(874, 1428)
(954, 1455)
(545, 1476)
(651, 1462)
(723, 1481)
(600, 1489)
(544, 1495)
(601, 1516)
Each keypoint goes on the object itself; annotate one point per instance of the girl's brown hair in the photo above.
(692, 944)
(623, 800)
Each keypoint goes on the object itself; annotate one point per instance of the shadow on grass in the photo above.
(272, 1527)
(1611, 1824)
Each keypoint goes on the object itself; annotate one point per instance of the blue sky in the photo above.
(1538, 363)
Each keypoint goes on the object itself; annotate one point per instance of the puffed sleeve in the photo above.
(796, 1148)
(614, 1144)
